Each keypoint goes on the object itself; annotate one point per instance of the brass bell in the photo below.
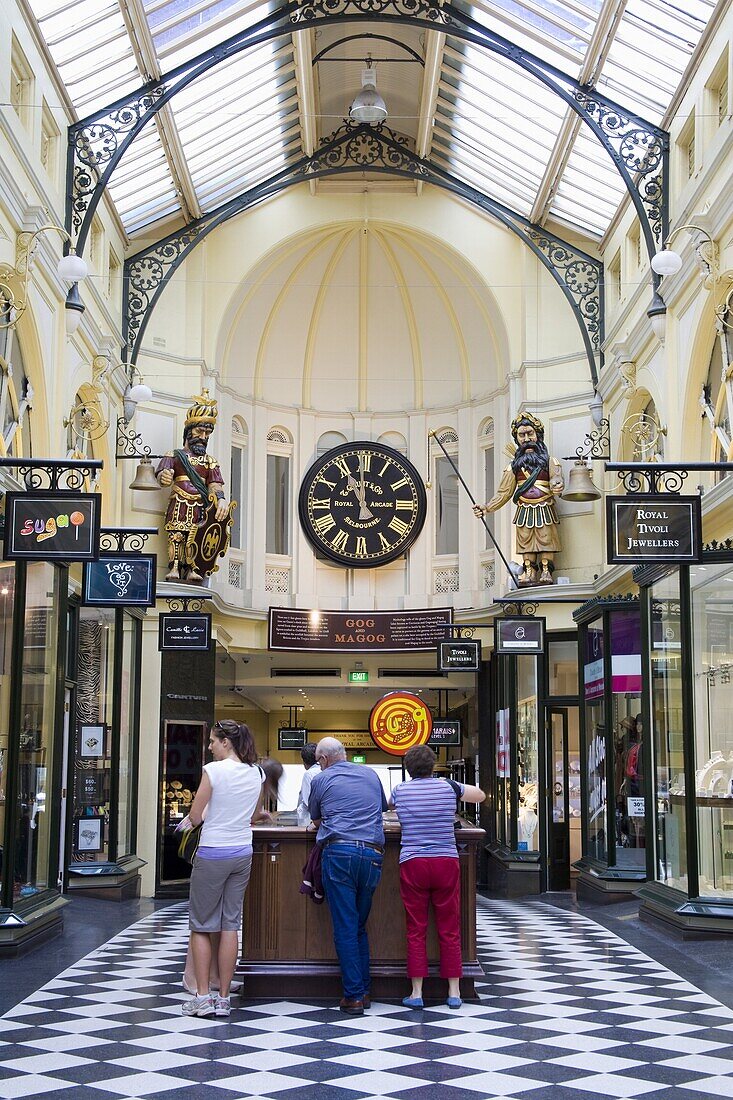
(580, 483)
(145, 478)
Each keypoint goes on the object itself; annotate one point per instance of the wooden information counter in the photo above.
(287, 940)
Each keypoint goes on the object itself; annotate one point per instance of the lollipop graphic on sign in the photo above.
(399, 721)
(77, 518)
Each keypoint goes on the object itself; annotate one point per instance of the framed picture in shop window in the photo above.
(91, 741)
(89, 834)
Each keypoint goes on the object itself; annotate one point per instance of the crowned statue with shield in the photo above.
(198, 517)
(532, 481)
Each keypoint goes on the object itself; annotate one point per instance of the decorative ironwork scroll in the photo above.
(125, 540)
(187, 603)
(355, 147)
(57, 475)
(652, 479)
(597, 444)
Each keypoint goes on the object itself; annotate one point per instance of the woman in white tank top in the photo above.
(229, 796)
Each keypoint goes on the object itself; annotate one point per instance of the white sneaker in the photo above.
(222, 1006)
(199, 1006)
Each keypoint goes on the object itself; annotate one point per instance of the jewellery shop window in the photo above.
(667, 731)
(595, 738)
(628, 738)
(35, 855)
(91, 786)
(527, 769)
(7, 600)
(711, 588)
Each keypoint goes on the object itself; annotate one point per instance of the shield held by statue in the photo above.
(210, 540)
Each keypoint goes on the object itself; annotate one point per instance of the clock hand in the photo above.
(352, 483)
(364, 512)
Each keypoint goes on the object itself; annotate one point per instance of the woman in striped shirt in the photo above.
(429, 871)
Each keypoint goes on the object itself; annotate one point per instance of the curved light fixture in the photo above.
(666, 262)
(14, 281)
(368, 105)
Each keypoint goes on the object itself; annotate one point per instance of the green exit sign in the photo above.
(359, 676)
(358, 759)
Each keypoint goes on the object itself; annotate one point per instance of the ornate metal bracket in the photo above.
(124, 540)
(186, 603)
(68, 475)
(517, 608)
(130, 444)
(597, 444)
(354, 148)
(660, 477)
(638, 149)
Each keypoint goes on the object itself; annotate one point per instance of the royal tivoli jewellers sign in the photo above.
(653, 528)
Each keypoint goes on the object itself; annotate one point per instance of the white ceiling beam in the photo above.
(146, 58)
(303, 53)
(434, 49)
(609, 18)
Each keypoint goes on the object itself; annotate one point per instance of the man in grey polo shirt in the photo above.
(346, 804)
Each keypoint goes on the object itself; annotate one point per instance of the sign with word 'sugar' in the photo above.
(650, 528)
(52, 526)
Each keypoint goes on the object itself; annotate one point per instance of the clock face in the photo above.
(362, 504)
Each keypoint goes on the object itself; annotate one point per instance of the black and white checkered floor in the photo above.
(568, 1012)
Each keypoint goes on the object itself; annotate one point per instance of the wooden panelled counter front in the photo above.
(287, 940)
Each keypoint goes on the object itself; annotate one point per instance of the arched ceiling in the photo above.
(475, 113)
(364, 316)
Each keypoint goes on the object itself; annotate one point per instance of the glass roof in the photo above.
(494, 125)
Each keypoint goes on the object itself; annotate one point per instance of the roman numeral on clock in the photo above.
(342, 466)
(339, 541)
(397, 525)
(324, 524)
(361, 547)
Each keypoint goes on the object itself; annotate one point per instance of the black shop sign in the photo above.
(445, 732)
(520, 636)
(52, 526)
(184, 630)
(119, 580)
(459, 656)
(653, 528)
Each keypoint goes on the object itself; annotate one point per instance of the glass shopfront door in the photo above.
(558, 801)
(184, 746)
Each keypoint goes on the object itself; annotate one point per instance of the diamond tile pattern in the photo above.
(568, 1012)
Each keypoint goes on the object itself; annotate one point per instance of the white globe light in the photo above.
(72, 268)
(139, 393)
(368, 106)
(666, 262)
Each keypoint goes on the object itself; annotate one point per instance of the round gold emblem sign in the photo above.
(399, 721)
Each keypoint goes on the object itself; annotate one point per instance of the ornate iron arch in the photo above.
(356, 148)
(639, 150)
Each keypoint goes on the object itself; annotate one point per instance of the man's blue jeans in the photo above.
(351, 873)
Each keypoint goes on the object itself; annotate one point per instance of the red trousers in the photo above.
(424, 880)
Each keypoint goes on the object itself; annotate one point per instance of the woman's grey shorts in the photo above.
(217, 893)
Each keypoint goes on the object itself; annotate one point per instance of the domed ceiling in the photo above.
(365, 317)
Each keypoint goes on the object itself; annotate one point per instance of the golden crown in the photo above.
(527, 418)
(203, 411)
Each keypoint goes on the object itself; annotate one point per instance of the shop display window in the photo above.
(595, 739)
(33, 858)
(628, 748)
(7, 600)
(127, 741)
(91, 789)
(667, 730)
(184, 755)
(527, 762)
(712, 616)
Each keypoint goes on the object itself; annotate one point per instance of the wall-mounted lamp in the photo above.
(71, 269)
(669, 262)
(137, 393)
(368, 105)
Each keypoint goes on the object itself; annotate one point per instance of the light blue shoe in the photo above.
(454, 1002)
(412, 1002)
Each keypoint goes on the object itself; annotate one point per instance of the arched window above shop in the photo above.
(395, 440)
(486, 442)
(715, 401)
(446, 494)
(279, 456)
(329, 440)
(15, 399)
(238, 481)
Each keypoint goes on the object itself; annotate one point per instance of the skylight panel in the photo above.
(557, 32)
(183, 29)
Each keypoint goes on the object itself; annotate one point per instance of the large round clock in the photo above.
(362, 504)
